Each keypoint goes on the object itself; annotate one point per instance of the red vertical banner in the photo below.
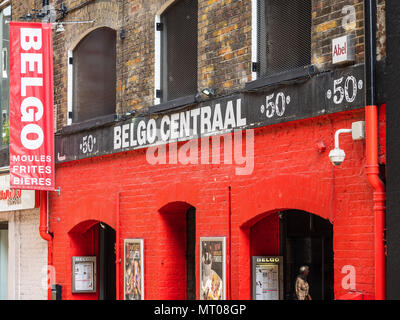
(31, 107)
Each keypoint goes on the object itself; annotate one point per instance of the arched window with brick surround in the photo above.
(176, 51)
(93, 64)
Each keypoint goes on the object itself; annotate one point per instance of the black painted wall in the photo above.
(393, 148)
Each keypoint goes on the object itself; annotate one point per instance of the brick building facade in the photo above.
(23, 253)
(103, 185)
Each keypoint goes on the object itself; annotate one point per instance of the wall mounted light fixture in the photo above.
(208, 92)
(60, 27)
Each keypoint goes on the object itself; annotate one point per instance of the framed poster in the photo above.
(213, 268)
(83, 274)
(133, 269)
(267, 277)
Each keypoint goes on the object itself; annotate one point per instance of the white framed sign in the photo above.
(212, 268)
(343, 50)
(133, 269)
(84, 274)
(15, 199)
(267, 277)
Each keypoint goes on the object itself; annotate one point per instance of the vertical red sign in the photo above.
(31, 106)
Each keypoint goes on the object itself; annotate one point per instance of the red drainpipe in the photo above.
(44, 233)
(372, 170)
(43, 222)
(372, 165)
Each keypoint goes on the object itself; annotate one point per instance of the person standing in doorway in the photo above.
(302, 287)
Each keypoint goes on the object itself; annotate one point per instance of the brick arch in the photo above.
(307, 193)
(165, 6)
(97, 208)
(181, 194)
(263, 197)
(83, 226)
(176, 206)
(74, 43)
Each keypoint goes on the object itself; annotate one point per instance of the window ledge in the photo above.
(176, 103)
(275, 79)
(89, 124)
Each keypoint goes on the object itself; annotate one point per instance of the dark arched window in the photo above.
(94, 75)
(179, 50)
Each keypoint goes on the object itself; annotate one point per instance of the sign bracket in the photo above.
(58, 190)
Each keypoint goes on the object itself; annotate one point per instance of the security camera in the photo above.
(357, 131)
(337, 156)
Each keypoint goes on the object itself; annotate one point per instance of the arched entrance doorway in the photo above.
(300, 238)
(94, 238)
(307, 239)
(178, 239)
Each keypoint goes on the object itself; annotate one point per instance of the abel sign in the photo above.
(343, 50)
(31, 106)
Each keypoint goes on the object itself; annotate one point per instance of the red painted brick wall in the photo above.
(289, 173)
(264, 237)
(172, 255)
(84, 241)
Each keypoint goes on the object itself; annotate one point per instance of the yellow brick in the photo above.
(241, 52)
(119, 89)
(228, 84)
(224, 50)
(217, 33)
(320, 60)
(228, 56)
(210, 68)
(132, 62)
(326, 26)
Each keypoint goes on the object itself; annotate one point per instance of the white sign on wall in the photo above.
(15, 199)
(343, 50)
(84, 274)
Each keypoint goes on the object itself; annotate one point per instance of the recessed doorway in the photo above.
(307, 239)
(107, 275)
